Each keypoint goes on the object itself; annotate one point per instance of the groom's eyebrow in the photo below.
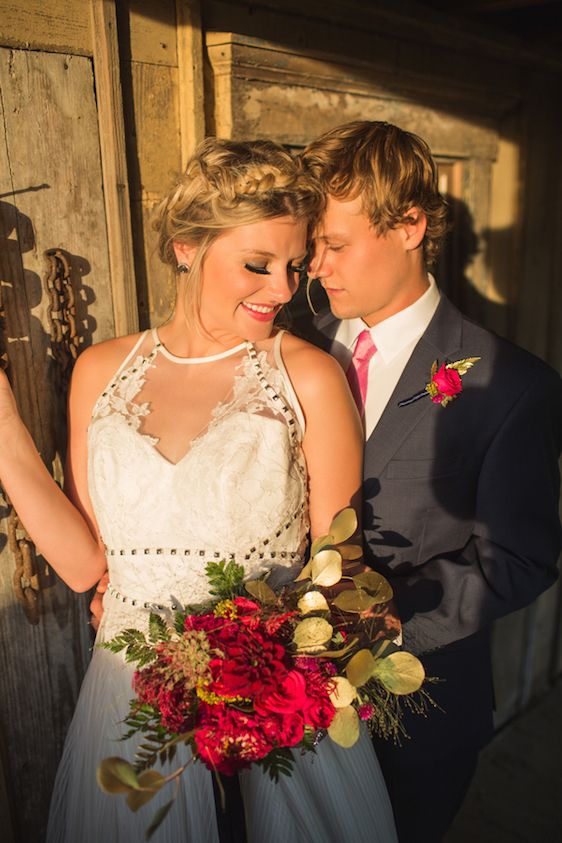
(331, 235)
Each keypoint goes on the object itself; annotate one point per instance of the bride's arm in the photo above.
(62, 529)
(333, 440)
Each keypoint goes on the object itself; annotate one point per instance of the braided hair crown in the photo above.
(229, 183)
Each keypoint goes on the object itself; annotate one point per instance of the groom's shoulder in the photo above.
(503, 361)
(318, 329)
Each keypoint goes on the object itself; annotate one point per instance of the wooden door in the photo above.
(51, 199)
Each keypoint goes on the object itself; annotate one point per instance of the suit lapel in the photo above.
(442, 339)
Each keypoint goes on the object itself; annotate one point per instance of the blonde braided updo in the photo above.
(228, 184)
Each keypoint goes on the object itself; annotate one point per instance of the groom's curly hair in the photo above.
(390, 168)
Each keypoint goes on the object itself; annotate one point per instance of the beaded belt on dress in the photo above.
(185, 552)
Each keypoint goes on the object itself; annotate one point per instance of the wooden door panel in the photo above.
(50, 198)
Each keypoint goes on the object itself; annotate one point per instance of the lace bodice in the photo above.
(240, 492)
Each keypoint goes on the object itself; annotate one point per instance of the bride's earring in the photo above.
(183, 267)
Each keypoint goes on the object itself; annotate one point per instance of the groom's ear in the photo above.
(413, 226)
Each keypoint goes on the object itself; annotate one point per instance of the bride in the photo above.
(213, 437)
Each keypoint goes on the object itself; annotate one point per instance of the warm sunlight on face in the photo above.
(249, 273)
(365, 274)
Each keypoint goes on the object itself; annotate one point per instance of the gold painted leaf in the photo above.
(344, 728)
(343, 693)
(344, 525)
(360, 668)
(150, 781)
(434, 367)
(400, 673)
(260, 590)
(354, 600)
(305, 573)
(312, 601)
(325, 654)
(115, 775)
(326, 568)
(462, 366)
(319, 543)
(377, 585)
(351, 551)
(381, 646)
(311, 634)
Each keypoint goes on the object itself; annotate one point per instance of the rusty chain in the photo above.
(26, 576)
(61, 312)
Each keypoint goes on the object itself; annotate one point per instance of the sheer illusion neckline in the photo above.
(159, 345)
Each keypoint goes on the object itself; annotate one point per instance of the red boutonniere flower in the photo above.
(445, 382)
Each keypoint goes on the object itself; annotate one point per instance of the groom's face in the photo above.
(365, 274)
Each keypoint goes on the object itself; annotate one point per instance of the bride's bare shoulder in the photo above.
(97, 364)
(311, 370)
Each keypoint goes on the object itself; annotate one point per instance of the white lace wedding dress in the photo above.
(240, 492)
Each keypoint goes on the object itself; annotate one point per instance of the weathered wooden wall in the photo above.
(51, 198)
(103, 101)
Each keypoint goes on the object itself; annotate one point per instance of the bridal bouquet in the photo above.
(255, 674)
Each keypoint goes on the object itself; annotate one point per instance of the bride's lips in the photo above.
(260, 312)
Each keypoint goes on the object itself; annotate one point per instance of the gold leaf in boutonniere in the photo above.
(445, 382)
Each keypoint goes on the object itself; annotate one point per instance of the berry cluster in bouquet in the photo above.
(256, 675)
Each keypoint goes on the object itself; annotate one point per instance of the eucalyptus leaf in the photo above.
(344, 525)
(311, 634)
(341, 652)
(344, 728)
(319, 543)
(360, 668)
(261, 591)
(157, 818)
(384, 647)
(312, 601)
(354, 600)
(115, 775)
(351, 551)
(150, 782)
(400, 673)
(326, 568)
(377, 586)
(343, 692)
(305, 573)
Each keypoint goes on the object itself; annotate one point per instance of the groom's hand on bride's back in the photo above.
(96, 604)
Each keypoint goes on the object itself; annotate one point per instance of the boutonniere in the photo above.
(445, 382)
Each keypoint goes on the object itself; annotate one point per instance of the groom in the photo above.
(461, 479)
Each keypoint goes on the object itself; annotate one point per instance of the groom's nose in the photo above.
(316, 267)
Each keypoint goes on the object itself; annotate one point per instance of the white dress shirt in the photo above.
(395, 339)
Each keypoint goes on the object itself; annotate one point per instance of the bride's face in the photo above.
(248, 274)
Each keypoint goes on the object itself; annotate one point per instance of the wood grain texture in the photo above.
(153, 138)
(51, 187)
(153, 31)
(114, 165)
(190, 67)
(59, 25)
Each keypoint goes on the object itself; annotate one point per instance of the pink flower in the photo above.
(448, 382)
(366, 711)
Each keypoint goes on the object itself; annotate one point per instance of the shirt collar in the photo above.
(398, 331)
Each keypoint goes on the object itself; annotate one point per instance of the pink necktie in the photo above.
(358, 371)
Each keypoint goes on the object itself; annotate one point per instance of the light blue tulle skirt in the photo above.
(334, 796)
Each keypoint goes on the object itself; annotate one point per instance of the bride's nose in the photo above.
(282, 287)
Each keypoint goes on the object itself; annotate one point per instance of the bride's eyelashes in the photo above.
(259, 270)
(263, 270)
